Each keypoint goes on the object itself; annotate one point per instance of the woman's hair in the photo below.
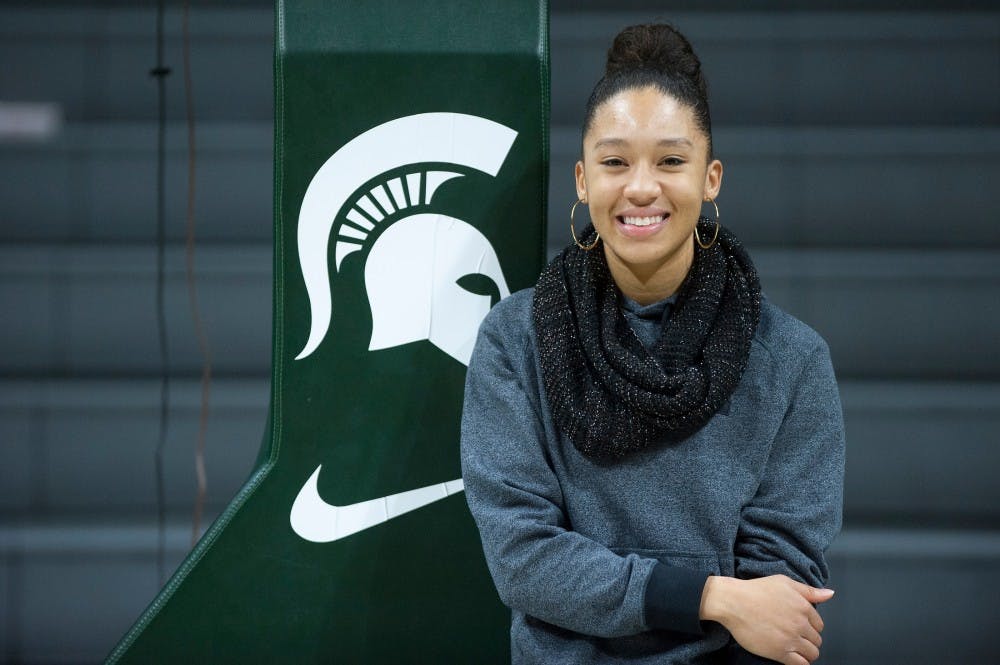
(654, 55)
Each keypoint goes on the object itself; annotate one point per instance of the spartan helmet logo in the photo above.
(413, 267)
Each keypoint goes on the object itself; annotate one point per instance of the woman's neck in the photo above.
(647, 284)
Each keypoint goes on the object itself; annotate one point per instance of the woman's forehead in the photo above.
(645, 115)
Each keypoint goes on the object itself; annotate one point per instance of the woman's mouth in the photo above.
(641, 221)
(638, 226)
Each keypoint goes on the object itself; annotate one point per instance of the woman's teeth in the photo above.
(641, 221)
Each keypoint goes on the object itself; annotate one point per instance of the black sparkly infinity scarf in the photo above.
(610, 395)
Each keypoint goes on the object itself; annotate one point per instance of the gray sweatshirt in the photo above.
(606, 562)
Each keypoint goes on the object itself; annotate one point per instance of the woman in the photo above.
(653, 451)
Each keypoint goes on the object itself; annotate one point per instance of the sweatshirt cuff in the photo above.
(673, 599)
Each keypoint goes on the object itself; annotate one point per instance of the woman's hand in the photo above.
(770, 616)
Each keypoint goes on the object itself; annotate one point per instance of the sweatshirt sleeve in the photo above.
(539, 564)
(797, 510)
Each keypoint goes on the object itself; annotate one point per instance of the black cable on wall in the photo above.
(160, 73)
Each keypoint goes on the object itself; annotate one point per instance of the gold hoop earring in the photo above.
(698, 238)
(572, 231)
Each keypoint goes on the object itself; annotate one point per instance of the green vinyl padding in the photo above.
(411, 160)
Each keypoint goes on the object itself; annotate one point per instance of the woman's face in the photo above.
(644, 176)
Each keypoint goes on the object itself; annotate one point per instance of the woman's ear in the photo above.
(713, 179)
(581, 182)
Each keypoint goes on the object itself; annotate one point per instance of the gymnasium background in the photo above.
(861, 143)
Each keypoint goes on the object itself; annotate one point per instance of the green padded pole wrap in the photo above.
(411, 157)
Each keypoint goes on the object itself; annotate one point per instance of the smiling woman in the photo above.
(652, 450)
(645, 172)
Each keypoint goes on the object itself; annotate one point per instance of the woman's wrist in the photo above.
(715, 598)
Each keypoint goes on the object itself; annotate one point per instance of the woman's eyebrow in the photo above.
(610, 142)
(679, 141)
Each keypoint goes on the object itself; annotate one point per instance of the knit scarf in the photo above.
(610, 395)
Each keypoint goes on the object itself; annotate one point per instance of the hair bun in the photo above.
(658, 47)
(658, 56)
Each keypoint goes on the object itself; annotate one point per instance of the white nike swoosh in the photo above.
(317, 521)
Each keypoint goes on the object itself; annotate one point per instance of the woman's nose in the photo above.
(641, 186)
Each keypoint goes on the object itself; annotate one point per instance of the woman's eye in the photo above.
(672, 161)
(613, 161)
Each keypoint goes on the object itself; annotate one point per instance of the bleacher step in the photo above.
(86, 310)
(916, 577)
(918, 452)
